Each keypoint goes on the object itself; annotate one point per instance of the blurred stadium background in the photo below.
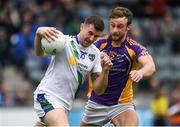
(156, 25)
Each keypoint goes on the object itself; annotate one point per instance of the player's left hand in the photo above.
(105, 62)
(136, 75)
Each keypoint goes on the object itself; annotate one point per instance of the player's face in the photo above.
(118, 28)
(88, 34)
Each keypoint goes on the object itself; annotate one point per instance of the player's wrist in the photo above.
(142, 72)
(105, 71)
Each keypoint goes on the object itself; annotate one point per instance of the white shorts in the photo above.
(97, 114)
(44, 103)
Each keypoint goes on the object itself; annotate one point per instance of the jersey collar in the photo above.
(79, 44)
(77, 39)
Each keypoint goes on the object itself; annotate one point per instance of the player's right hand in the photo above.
(50, 33)
(136, 75)
(105, 62)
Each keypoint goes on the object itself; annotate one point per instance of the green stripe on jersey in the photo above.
(76, 55)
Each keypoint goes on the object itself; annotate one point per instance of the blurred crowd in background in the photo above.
(156, 25)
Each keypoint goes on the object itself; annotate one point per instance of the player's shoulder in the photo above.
(136, 47)
(101, 41)
(72, 40)
(101, 44)
(70, 37)
(94, 48)
(131, 43)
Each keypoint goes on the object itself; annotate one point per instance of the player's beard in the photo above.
(117, 36)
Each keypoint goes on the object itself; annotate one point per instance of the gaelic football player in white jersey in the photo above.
(67, 71)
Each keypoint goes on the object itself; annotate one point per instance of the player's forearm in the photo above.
(101, 82)
(148, 66)
(148, 69)
(38, 50)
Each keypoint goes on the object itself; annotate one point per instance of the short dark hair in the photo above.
(95, 20)
(119, 12)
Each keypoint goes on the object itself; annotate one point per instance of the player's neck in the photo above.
(120, 40)
(80, 41)
(123, 39)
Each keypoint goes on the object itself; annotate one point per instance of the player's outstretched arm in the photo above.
(50, 33)
(100, 80)
(147, 69)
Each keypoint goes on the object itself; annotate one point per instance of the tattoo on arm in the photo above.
(93, 76)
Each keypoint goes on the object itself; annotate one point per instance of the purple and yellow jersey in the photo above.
(124, 58)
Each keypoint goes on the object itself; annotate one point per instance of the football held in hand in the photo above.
(54, 47)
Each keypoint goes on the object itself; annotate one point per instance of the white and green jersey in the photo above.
(68, 70)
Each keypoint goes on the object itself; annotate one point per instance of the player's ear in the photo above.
(128, 27)
(81, 26)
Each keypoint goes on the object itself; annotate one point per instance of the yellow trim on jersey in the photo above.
(127, 93)
(131, 52)
(72, 60)
(102, 46)
(115, 44)
(90, 84)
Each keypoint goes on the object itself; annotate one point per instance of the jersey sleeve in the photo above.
(99, 43)
(102, 44)
(139, 49)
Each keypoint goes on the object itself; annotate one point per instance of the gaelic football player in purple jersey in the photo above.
(131, 62)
